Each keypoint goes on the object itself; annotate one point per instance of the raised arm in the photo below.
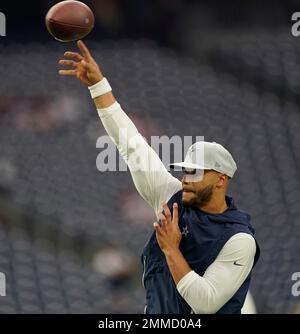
(152, 180)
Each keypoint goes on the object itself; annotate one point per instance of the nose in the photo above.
(183, 179)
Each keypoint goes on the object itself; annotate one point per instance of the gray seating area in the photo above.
(42, 280)
(48, 133)
(270, 58)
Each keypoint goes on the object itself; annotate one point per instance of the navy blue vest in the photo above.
(203, 236)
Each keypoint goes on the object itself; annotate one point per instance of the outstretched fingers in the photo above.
(163, 219)
(68, 72)
(84, 50)
(68, 63)
(175, 213)
(167, 212)
(73, 55)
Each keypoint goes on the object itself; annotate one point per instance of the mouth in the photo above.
(186, 191)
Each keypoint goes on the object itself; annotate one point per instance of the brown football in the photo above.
(69, 20)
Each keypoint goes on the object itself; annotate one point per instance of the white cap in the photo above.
(205, 155)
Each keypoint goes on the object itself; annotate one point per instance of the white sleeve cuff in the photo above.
(100, 88)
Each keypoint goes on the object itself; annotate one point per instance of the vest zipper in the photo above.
(144, 270)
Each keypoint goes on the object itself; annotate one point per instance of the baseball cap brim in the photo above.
(186, 165)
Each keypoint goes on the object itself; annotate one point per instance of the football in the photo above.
(69, 21)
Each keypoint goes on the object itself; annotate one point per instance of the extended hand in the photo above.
(168, 235)
(84, 66)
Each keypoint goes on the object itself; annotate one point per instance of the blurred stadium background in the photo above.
(70, 236)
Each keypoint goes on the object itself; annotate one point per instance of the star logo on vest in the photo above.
(185, 231)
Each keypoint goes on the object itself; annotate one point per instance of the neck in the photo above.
(217, 204)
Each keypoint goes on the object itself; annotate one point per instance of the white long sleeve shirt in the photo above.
(204, 294)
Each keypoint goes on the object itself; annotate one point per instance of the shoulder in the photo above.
(241, 246)
(176, 198)
(176, 195)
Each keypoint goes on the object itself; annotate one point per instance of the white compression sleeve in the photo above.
(151, 178)
(222, 278)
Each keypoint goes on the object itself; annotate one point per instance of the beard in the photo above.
(200, 198)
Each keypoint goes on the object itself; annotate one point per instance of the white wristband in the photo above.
(100, 88)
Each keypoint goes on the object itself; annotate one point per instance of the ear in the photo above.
(221, 181)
